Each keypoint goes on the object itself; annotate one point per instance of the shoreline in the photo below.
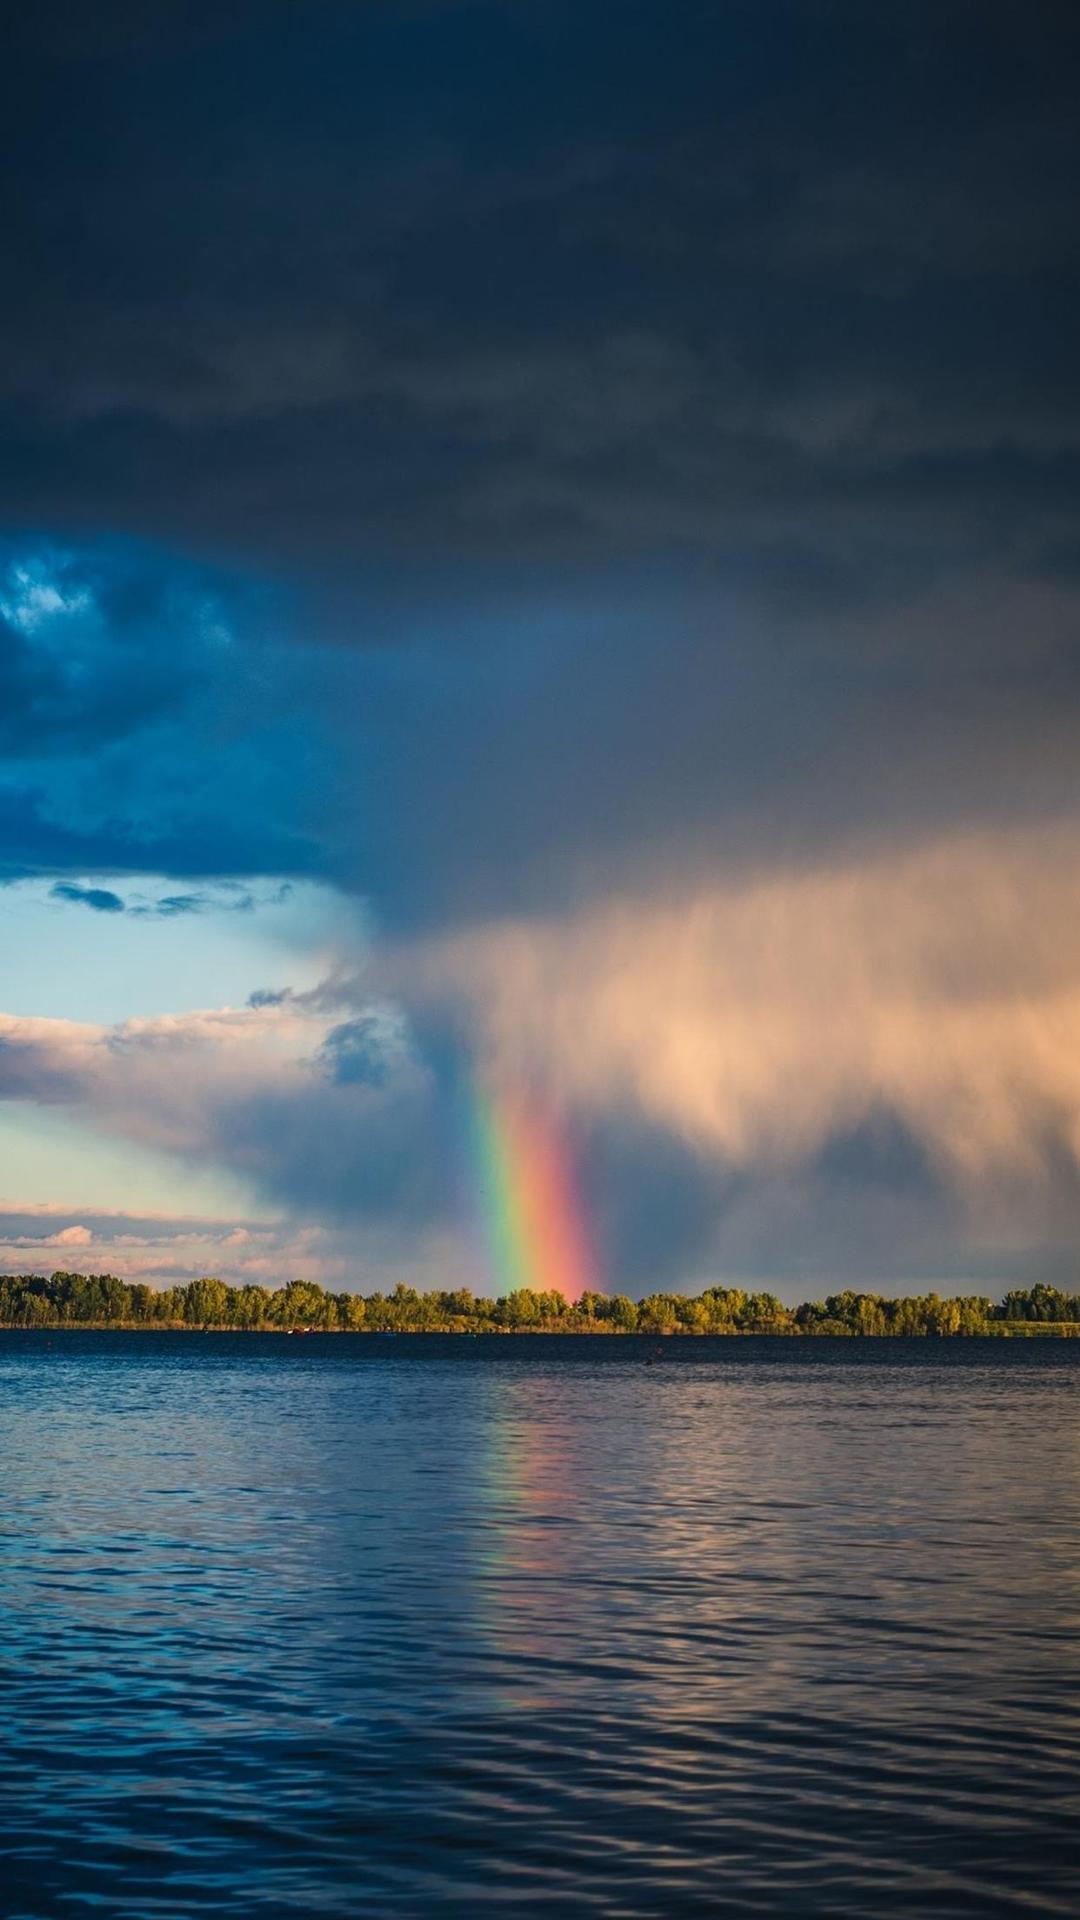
(1002, 1330)
(103, 1302)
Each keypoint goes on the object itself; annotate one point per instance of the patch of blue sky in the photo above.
(174, 948)
(49, 1159)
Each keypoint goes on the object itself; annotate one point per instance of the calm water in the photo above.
(431, 1627)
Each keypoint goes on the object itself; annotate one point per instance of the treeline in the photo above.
(101, 1300)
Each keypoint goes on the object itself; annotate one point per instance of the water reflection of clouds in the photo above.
(432, 1633)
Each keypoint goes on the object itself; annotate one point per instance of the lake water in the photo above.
(533, 1626)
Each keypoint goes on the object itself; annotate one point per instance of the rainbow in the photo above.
(533, 1222)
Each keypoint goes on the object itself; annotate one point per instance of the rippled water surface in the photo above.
(526, 1626)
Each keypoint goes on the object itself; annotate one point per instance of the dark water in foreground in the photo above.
(528, 1626)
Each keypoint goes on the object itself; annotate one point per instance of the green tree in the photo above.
(623, 1313)
(659, 1313)
(250, 1307)
(206, 1303)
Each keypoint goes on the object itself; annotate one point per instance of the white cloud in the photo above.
(168, 1251)
(73, 1237)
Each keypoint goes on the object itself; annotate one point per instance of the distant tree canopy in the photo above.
(101, 1300)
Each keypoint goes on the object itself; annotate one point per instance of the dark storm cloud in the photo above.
(170, 906)
(357, 1052)
(624, 385)
(90, 651)
(227, 896)
(348, 1151)
(173, 906)
(868, 1209)
(145, 727)
(99, 899)
(499, 285)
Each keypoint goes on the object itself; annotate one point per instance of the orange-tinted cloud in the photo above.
(755, 1019)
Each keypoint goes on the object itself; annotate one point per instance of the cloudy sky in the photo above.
(538, 547)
